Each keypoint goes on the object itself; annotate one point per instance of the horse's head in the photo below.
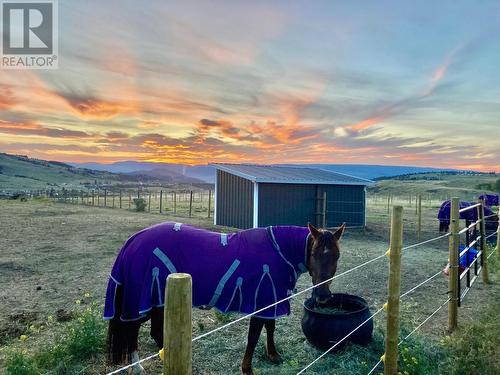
(323, 255)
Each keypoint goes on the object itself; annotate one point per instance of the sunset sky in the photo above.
(375, 82)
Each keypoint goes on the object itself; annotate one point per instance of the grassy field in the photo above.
(21, 173)
(56, 258)
(438, 186)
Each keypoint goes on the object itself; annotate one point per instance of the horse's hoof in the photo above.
(275, 358)
(136, 370)
(246, 370)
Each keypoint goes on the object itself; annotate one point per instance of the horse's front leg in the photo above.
(271, 351)
(254, 331)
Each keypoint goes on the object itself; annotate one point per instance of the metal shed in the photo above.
(249, 196)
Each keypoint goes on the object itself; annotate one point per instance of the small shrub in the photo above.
(21, 364)
(85, 339)
(140, 204)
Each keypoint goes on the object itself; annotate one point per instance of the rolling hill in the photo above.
(19, 172)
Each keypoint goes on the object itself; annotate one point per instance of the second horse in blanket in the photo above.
(238, 272)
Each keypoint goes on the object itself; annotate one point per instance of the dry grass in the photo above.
(52, 254)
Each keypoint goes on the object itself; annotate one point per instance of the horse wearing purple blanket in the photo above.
(237, 272)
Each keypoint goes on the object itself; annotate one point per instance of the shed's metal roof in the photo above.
(290, 174)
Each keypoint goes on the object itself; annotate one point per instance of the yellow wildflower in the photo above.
(50, 318)
(414, 360)
(87, 295)
(23, 337)
(78, 301)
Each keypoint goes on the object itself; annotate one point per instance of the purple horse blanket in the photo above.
(490, 199)
(239, 272)
(445, 209)
(469, 215)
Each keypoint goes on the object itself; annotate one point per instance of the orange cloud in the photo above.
(7, 99)
(32, 128)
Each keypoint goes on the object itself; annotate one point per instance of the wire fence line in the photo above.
(412, 332)
(468, 228)
(290, 297)
(491, 235)
(490, 216)
(341, 341)
(470, 207)
(133, 364)
(422, 283)
(488, 257)
(367, 320)
(426, 242)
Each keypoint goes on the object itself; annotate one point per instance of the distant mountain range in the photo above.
(206, 173)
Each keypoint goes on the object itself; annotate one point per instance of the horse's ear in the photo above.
(339, 232)
(315, 233)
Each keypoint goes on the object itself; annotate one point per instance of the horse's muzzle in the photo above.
(321, 295)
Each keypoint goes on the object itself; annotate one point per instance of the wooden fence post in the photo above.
(392, 335)
(120, 198)
(113, 197)
(105, 198)
(419, 223)
(149, 202)
(129, 200)
(498, 232)
(209, 202)
(482, 233)
(190, 203)
(177, 326)
(98, 198)
(93, 199)
(454, 273)
(388, 204)
(323, 212)
(161, 199)
(175, 202)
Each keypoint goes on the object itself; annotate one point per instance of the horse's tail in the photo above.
(118, 341)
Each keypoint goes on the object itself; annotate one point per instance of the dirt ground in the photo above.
(52, 254)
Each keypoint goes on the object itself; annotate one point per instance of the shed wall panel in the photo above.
(234, 201)
(286, 204)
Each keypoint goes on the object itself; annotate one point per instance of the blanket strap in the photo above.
(265, 269)
(223, 281)
(165, 259)
(239, 283)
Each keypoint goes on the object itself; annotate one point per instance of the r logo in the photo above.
(27, 28)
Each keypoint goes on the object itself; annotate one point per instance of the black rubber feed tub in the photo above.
(323, 329)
